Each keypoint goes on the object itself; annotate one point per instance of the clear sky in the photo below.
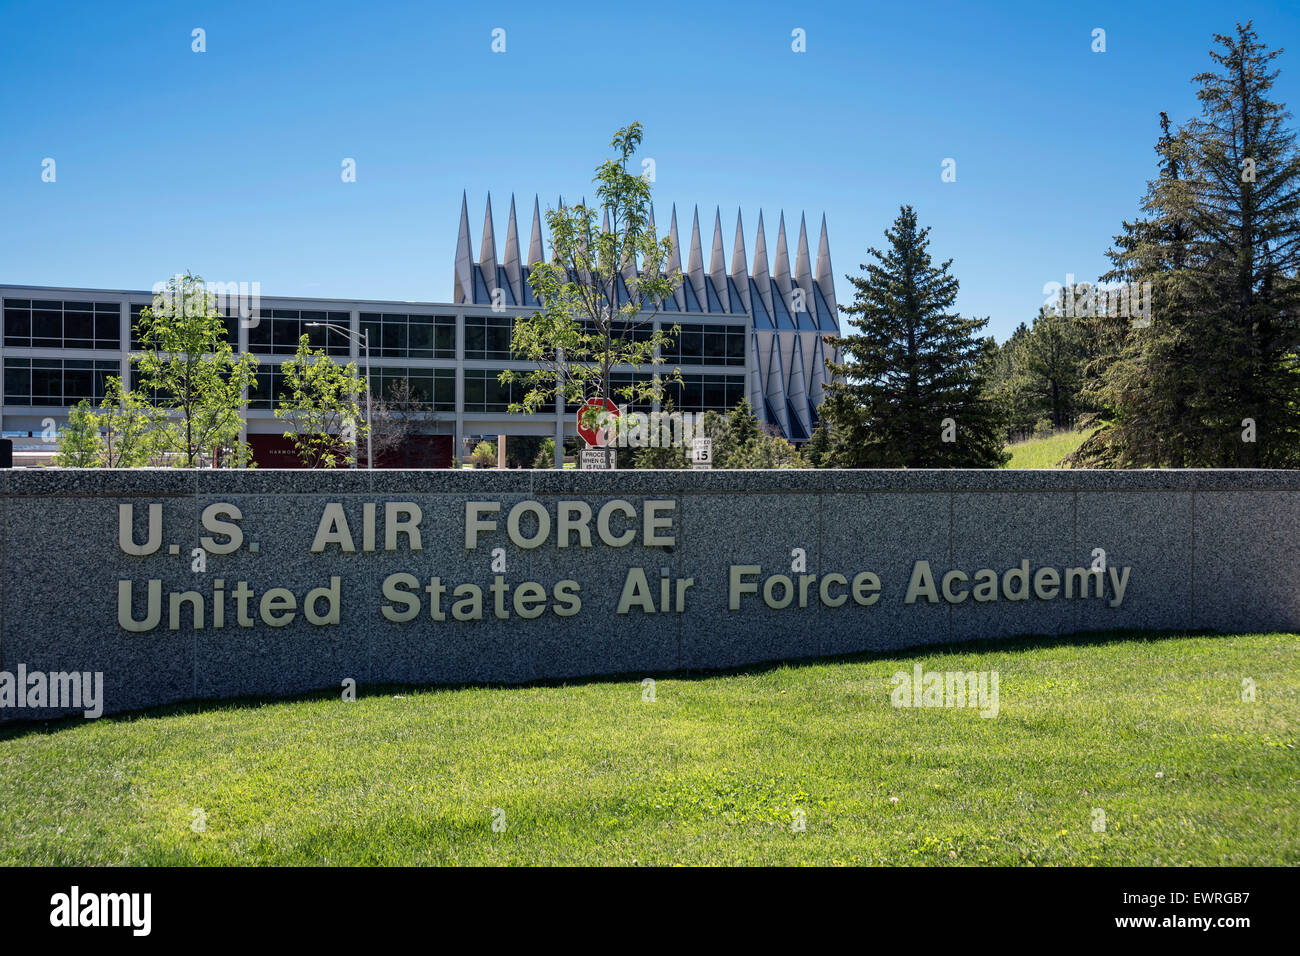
(228, 162)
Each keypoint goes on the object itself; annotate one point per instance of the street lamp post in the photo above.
(364, 341)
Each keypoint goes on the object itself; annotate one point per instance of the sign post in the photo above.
(596, 420)
(701, 452)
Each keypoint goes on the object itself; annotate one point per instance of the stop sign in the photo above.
(590, 418)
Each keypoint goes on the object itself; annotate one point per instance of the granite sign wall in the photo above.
(170, 585)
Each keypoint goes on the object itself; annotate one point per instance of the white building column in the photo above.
(241, 348)
(458, 436)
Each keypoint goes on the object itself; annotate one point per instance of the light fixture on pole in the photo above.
(364, 341)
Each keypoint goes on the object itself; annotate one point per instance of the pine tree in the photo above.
(818, 451)
(1047, 367)
(1248, 182)
(1219, 243)
(742, 427)
(908, 392)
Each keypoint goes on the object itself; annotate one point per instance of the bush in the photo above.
(484, 454)
(767, 451)
(545, 454)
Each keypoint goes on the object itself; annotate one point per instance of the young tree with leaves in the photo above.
(909, 380)
(80, 443)
(123, 432)
(606, 279)
(319, 404)
(187, 362)
(133, 431)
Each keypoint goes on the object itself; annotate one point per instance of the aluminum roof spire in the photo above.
(781, 267)
(803, 274)
(762, 280)
(464, 272)
(511, 261)
(695, 264)
(487, 255)
(535, 253)
(717, 263)
(739, 274)
(675, 261)
(825, 275)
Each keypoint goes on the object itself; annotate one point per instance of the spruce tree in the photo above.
(1047, 367)
(1248, 183)
(908, 392)
(1144, 377)
(1219, 243)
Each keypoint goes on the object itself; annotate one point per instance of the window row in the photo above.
(488, 336)
(695, 393)
(484, 393)
(276, 331)
(395, 335)
(627, 331)
(58, 324)
(702, 393)
(433, 387)
(707, 345)
(230, 320)
(56, 381)
(41, 323)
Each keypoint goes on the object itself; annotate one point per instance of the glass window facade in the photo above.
(435, 387)
(696, 393)
(631, 332)
(488, 336)
(401, 335)
(701, 393)
(483, 393)
(277, 332)
(618, 380)
(62, 324)
(41, 381)
(230, 320)
(707, 345)
(269, 388)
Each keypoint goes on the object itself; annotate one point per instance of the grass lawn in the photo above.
(1045, 452)
(1151, 730)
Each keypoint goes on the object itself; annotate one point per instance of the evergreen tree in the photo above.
(1144, 376)
(1047, 366)
(742, 427)
(818, 452)
(908, 392)
(1248, 183)
(1219, 244)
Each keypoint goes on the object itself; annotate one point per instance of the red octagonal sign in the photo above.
(594, 422)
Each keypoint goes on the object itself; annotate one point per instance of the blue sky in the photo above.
(227, 163)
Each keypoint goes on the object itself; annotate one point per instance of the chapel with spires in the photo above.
(787, 311)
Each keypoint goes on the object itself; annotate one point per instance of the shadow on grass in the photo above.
(12, 730)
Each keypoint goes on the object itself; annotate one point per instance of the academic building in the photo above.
(749, 329)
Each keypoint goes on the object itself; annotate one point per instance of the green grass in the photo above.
(1152, 730)
(1045, 452)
